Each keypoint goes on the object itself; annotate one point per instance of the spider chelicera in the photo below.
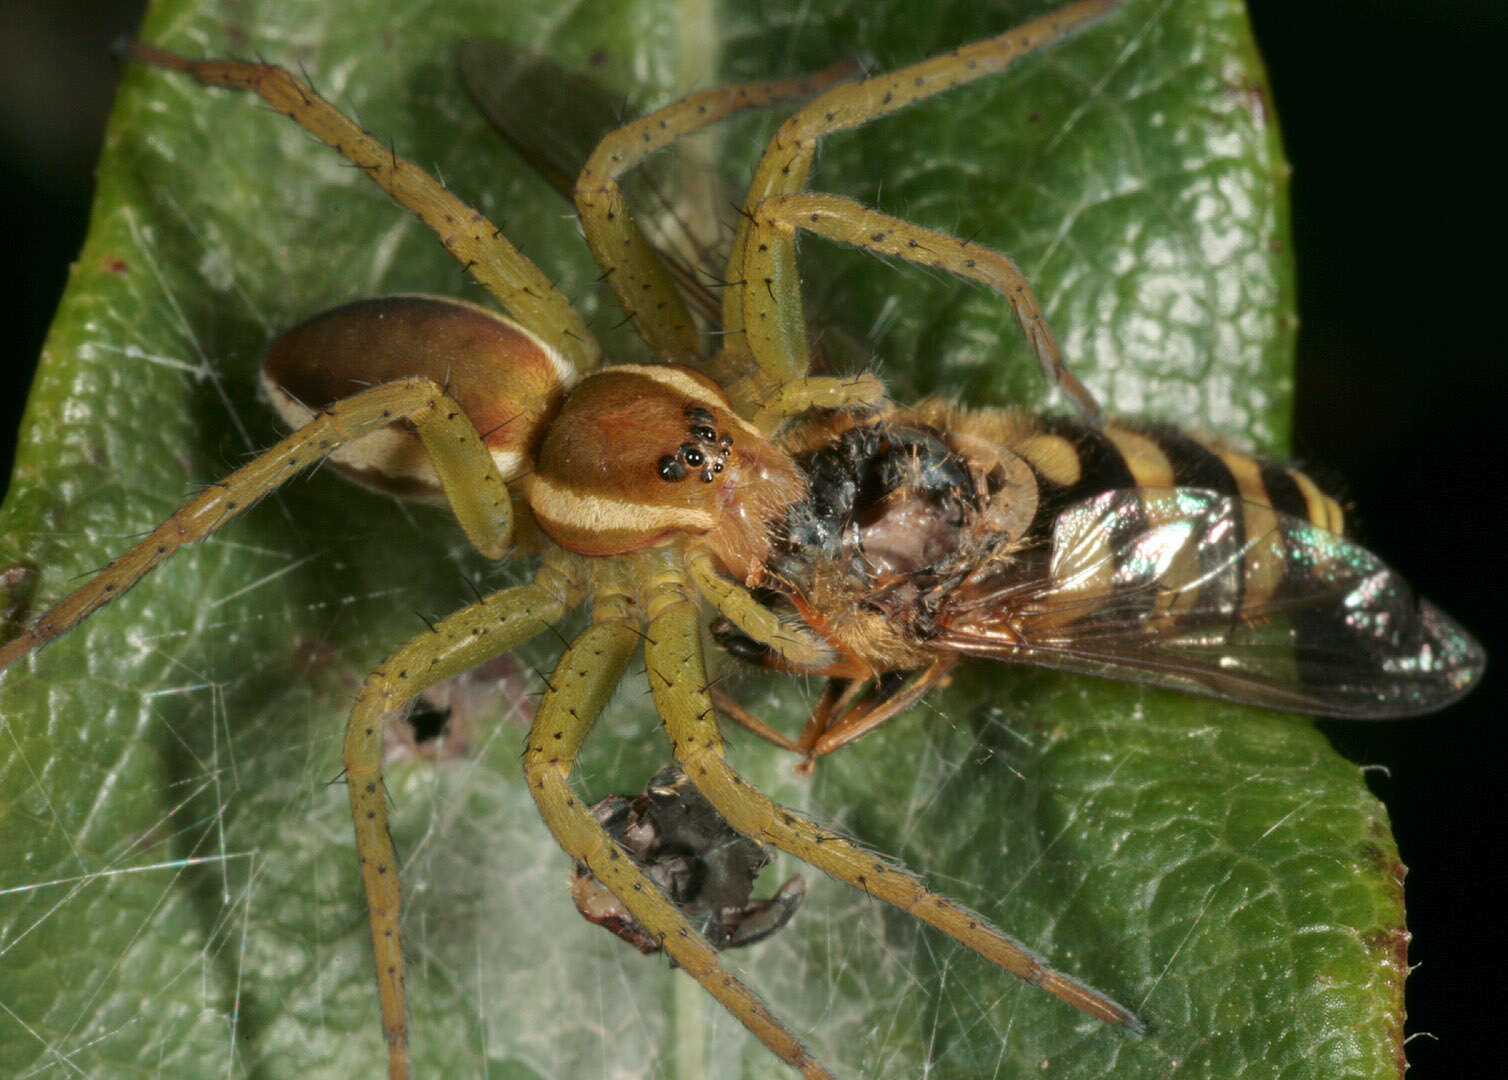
(646, 488)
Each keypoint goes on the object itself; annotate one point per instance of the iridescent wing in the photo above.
(1189, 589)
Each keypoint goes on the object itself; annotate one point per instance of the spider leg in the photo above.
(472, 485)
(788, 158)
(817, 392)
(580, 686)
(795, 644)
(521, 287)
(471, 636)
(629, 262)
(678, 680)
(775, 327)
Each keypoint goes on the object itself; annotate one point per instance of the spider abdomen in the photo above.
(507, 380)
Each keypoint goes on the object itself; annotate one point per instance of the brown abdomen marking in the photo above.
(507, 381)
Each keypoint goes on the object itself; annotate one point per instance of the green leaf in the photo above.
(179, 892)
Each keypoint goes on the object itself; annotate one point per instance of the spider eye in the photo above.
(671, 468)
(692, 456)
(705, 434)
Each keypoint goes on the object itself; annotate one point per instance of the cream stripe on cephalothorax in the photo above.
(556, 502)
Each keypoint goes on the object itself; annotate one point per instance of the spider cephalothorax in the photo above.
(637, 454)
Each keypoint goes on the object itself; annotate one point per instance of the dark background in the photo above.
(1392, 113)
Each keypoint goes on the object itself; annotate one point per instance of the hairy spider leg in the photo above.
(793, 642)
(630, 264)
(637, 273)
(678, 681)
(495, 625)
(818, 392)
(579, 688)
(775, 327)
(522, 288)
(788, 159)
(478, 497)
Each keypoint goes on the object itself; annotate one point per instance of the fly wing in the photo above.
(554, 118)
(1189, 589)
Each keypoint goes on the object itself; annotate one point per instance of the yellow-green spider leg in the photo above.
(816, 392)
(629, 262)
(788, 158)
(475, 634)
(797, 645)
(471, 482)
(579, 688)
(520, 286)
(775, 328)
(678, 680)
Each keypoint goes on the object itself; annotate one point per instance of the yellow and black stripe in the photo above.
(1075, 463)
